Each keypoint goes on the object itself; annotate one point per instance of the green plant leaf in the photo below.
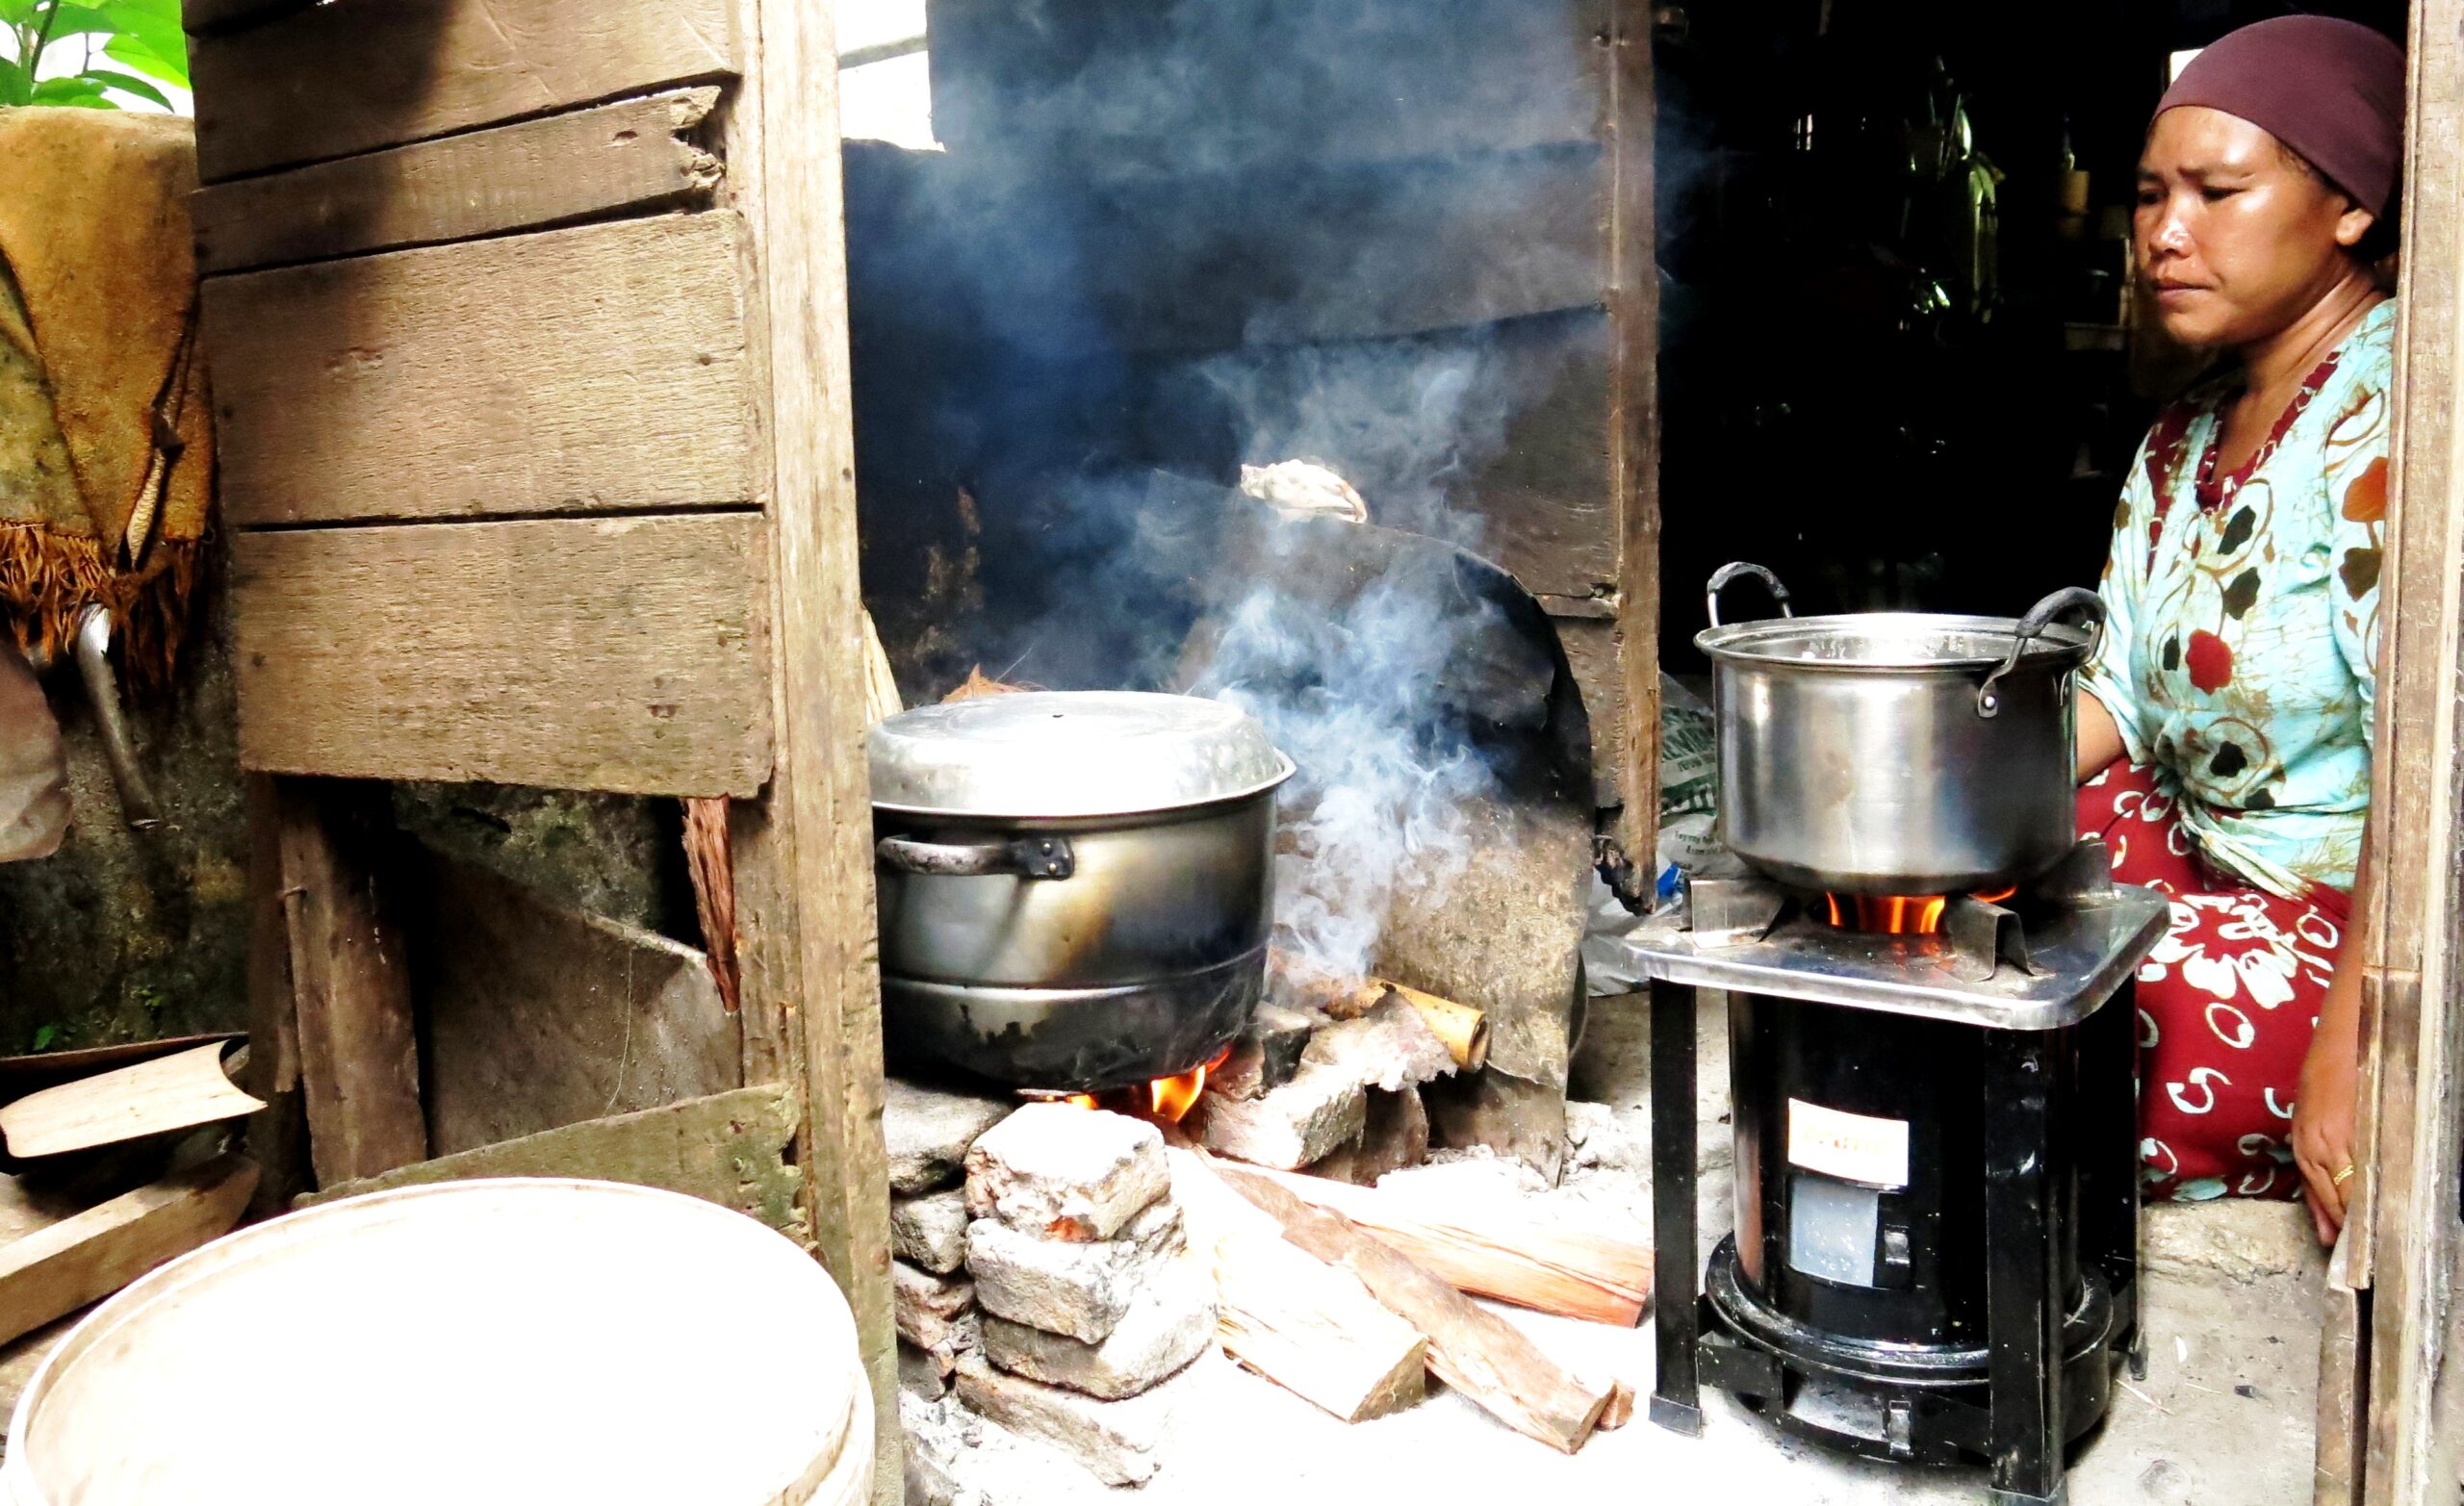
(15, 88)
(74, 91)
(16, 13)
(127, 84)
(79, 21)
(45, 1036)
(138, 55)
(156, 27)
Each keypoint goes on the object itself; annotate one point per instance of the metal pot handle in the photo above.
(1021, 858)
(1721, 576)
(2041, 616)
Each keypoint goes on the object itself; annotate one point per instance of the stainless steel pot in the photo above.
(1891, 753)
(1075, 887)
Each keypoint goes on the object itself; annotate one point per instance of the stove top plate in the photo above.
(2079, 956)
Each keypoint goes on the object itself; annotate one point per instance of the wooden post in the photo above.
(2404, 1250)
(1634, 431)
(278, 1133)
(350, 980)
(804, 853)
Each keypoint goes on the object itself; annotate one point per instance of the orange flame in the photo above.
(1170, 1098)
(1166, 1099)
(1892, 915)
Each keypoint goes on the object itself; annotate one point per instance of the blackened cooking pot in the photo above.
(1075, 887)
(1898, 753)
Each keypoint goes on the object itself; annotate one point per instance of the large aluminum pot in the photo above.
(1075, 887)
(1896, 753)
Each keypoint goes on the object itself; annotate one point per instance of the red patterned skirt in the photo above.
(2227, 1002)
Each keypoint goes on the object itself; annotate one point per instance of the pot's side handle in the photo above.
(1721, 578)
(1021, 858)
(2041, 616)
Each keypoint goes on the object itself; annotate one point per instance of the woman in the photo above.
(2225, 726)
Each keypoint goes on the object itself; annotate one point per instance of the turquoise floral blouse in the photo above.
(2240, 659)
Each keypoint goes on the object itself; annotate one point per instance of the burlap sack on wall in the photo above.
(106, 443)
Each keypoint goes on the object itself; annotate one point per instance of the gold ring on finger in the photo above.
(2345, 1175)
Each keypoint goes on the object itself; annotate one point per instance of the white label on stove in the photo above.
(1849, 1147)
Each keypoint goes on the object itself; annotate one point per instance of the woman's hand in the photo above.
(2330, 1088)
(2322, 1120)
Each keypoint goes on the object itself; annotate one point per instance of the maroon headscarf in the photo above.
(2332, 91)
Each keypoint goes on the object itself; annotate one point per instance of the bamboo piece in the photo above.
(1470, 1348)
(1314, 1330)
(1499, 1253)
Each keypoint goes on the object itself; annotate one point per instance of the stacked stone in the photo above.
(928, 1134)
(1093, 1308)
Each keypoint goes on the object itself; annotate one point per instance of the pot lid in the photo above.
(1886, 642)
(1065, 753)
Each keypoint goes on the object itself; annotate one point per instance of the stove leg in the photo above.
(2023, 1226)
(2109, 1169)
(1678, 1267)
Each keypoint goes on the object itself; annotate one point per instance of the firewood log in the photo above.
(1470, 1348)
(1314, 1330)
(1503, 1253)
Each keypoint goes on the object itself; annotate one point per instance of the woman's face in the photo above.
(2237, 238)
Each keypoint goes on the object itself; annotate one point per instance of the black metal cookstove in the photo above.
(1937, 1243)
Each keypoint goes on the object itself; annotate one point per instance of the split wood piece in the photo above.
(422, 68)
(1390, 1049)
(880, 686)
(1500, 1253)
(1470, 1348)
(53, 1272)
(130, 1103)
(1267, 1055)
(709, 860)
(1464, 1029)
(729, 1149)
(1315, 1330)
(350, 981)
(1620, 1410)
(635, 154)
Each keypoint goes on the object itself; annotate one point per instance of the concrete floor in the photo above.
(2224, 1417)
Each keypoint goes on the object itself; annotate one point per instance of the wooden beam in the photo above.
(2412, 1029)
(54, 1271)
(354, 75)
(208, 16)
(804, 852)
(350, 969)
(727, 1149)
(623, 654)
(534, 1016)
(632, 155)
(1633, 425)
(579, 370)
(277, 1135)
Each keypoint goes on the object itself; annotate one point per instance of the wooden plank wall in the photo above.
(587, 390)
(2405, 1249)
(528, 329)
